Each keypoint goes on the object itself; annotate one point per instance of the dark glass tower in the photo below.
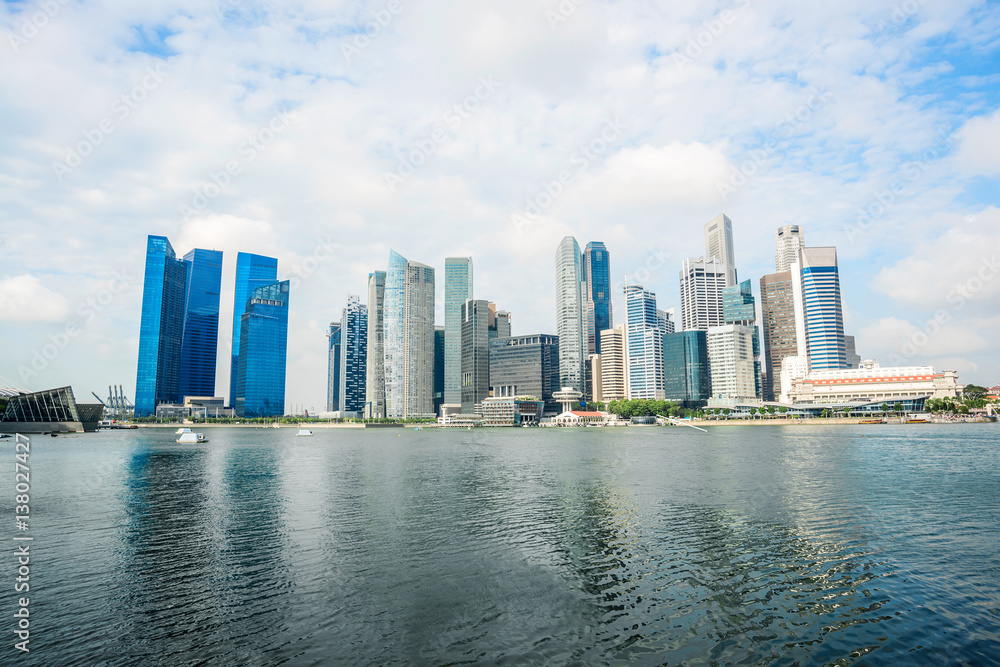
(201, 323)
(353, 356)
(252, 271)
(597, 300)
(161, 329)
(260, 373)
(333, 369)
(685, 366)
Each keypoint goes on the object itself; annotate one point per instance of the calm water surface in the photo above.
(646, 546)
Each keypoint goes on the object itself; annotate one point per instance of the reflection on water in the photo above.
(650, 546)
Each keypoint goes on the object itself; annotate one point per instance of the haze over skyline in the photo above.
(285, 130)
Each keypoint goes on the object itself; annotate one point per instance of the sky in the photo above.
(327, 133)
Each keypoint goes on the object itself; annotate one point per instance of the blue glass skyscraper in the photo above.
(260, 374)
(597, 299)
(353, 356)
(179, 330)
(685, 366)
(333, 368)
(161, 329)
(201, 323)
(822, 309)
(252, 271)
(457, 290)
(644, 341)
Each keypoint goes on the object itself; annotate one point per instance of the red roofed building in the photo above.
(579, 417)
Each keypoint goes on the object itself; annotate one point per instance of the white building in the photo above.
(614, 378)
(569, 315)
(719, 245)
(731, 362)
(789, 240)
(702, 282)
(873, 384)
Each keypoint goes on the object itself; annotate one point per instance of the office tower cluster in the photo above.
(179, 332)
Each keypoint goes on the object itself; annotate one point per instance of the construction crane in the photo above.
(116, 406)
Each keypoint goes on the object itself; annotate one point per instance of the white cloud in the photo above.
(24, 299)
(977, 151)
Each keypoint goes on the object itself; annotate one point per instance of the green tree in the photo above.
(770, 410)
(898, 408)
(885, 408)
(782, 409)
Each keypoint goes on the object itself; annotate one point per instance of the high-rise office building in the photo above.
(252, 271)
(777, 306)
(569, 315)
(852, 356)
(789, 239)
(522, 366)
(375, 361)
(740, 307)
(731, 362)
(595, 378)
(614, 379)
(686, 371)
(596, 294)
(353, 356)
(457, 290)
(665, 320)
(408, 325)
(475, 353)
(161, 329)
(260, 374)
(719, 245)
(199, 350)
(702, 283)
(439, 340)
(503, 324)
(822, 310)
(333, 368)
(644, 341)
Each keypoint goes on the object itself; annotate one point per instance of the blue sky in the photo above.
(428, 129)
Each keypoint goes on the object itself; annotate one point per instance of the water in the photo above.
(646, 546)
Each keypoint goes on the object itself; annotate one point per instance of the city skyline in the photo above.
(185, 123)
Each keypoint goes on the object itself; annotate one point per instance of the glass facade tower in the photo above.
(822, 309)
(260, 374)
(457, 290)
(569, 315)
(161, 329)
(644, 340)
(333, 368)
(252, 271)
(475, 353)
(597, 294)
(685, 366)
(375, 377)
(353, 356)
(199, 350)
(522, 366)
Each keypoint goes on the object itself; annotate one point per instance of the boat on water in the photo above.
(871, 421)
(304, 432)
(192, 438)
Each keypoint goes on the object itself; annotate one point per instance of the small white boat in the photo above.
(304, 431)
(182, 430)
(191, 438)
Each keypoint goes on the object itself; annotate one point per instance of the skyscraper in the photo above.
(439, 338)
(596, 294)
(408, 325)
(503, 324)
(644, 340)
(569, 315)
(614, 379)
(252, 271)
(475, 353)
(853, 358)
(822, 309)
(702, 283)
(161, 330)
(686, 372)
(457, 290)
(789, 239)
(353, 356)
(777, 306)
(665, 320)
(260, 373)
(333, 368)
(719, 245)
(375, 361)
(526, 366)
(731, 362)
(740, 307)
(199, 350)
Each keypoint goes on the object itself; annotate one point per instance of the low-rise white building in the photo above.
(871, 383)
